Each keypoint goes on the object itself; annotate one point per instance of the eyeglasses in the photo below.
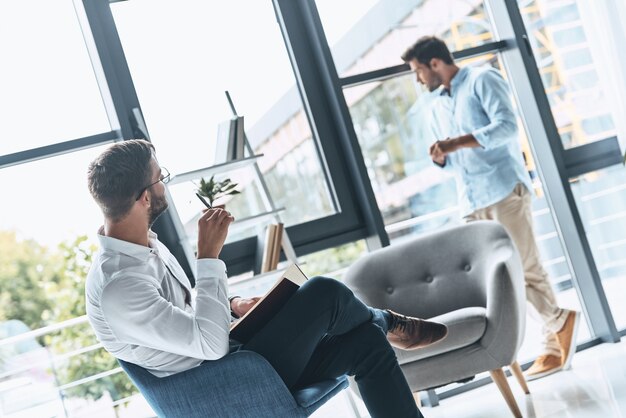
(165, 178)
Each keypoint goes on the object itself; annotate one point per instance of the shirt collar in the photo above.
(128, 248)
(458, 78)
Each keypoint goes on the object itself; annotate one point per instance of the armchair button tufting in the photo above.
(428, 279)
(390, 290)
(467, 267)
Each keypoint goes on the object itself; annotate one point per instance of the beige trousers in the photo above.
(515, 214)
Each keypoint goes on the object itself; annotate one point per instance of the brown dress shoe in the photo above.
(544, 365)
(410, 333)
(567, 338)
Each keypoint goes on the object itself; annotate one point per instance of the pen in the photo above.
(203, 200)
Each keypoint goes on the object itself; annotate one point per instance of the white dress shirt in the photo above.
(137, 305)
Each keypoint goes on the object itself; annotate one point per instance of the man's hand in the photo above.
(212, 230)
(241, 306)
(436, 153)
(440, 149)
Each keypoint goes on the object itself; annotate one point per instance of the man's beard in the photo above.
(435, 84)
(159, 205)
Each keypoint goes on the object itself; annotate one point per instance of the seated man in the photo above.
(140, 306)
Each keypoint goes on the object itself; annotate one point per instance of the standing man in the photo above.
(479, 143)
(140, 306)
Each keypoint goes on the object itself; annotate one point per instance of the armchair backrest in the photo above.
(443, 271)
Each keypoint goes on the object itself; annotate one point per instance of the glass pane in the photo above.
(47, 239)
(391, 119)
(368, 35)
(574, 44)
(601, 201)
(49, 91)
(209, 50)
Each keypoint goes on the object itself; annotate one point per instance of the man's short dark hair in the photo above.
(118, 174)
(427, 48)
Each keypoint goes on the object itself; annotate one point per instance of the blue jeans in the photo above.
(325, 332)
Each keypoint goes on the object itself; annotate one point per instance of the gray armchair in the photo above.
(470, 278)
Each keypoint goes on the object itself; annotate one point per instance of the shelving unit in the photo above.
(271, 211)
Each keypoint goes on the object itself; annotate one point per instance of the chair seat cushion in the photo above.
(465, 327)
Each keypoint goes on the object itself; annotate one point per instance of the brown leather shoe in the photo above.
(410, 333)
(544, 365)
(567, 338)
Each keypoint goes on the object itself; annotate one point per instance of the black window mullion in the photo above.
(403, 69)
(58, 148)
(330, 121)
(592, 157)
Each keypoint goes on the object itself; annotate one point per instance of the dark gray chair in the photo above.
(241, 385)
(470, 278)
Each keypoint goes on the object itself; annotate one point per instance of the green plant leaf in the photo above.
(213, 190)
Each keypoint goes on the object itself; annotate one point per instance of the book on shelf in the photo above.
(224, 142)
(272, 245)
(268, 248)
(269, 305)
(230, 142)
(240, 140)
(277, 245)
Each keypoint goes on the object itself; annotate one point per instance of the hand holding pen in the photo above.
(203, 200)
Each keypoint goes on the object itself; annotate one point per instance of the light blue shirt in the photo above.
(479, 104)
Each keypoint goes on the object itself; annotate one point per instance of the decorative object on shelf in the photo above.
(213, 190)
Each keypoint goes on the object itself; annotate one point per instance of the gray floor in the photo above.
(595, 387)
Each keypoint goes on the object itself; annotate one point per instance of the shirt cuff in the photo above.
(480, 135)
(232, 313)
(210, 267)
(440, 165)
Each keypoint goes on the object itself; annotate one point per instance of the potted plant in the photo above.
(213, 190)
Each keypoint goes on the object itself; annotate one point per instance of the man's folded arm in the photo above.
(138, 314)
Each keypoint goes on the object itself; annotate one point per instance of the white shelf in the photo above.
(255, 219)
(214, 169)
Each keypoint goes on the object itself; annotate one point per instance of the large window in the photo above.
(582, 77)
(574, 46)
(181, 75)
(601, 200)
(47, 240)
(47, 83)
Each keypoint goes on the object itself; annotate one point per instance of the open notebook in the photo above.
(269, 305)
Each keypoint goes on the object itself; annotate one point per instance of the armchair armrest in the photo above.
(506, 301)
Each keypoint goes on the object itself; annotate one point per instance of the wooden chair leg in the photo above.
(499, 379)
(418, 399)
(516, 370)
